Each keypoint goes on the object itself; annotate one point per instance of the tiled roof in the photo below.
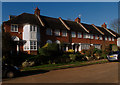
(24, 18)
(91, 29)
(117, 35)
(74, 26)
(106, 33)
(55, 23)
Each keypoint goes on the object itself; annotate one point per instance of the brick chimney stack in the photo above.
(77, 19)
(104, 25)
(37, 11)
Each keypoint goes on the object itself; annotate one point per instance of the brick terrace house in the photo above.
(32, 31)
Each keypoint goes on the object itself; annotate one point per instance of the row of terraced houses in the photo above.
(32, 31)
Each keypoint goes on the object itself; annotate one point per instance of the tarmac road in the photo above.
(98, 73)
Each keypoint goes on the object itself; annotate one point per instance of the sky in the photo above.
(91, 12)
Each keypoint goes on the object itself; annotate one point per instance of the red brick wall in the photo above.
(52, 37)
(19, 35)
(75, 40)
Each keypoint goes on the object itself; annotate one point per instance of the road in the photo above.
(99, 73)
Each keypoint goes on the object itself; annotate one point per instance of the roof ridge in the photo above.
(83, 27)
(64, 23)
(97, 29)
(109, 31)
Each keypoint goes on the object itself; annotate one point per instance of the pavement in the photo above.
(98, 73)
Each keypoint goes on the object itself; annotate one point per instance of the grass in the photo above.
(62, 66)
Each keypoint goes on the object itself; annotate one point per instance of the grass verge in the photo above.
(63, 66)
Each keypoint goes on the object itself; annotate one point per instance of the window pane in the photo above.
(14, 28)
(91, 36)
(49, 31)
(34, 47)
(96, 37)
(31, 43)
(57, 32)
(64, 33)
(30, 28)
(73, 34)
(79, 35)
(34, 28)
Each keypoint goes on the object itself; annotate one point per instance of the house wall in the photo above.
(19, 34)
(118, 42)
(24, 34)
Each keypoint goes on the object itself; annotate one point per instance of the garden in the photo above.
(50, 55)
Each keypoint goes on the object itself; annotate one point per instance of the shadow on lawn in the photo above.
(33, 72)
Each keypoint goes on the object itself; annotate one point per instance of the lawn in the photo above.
(63, 66)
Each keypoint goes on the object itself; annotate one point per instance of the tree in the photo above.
(115, 25)
(7, 44)
(50, 51)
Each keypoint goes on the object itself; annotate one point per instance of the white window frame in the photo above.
(26, 46)
(109, 38)
(79, 35)
(100, 37)
(113, 39)
(84, 35)
(88, 36)
(34, 45)
(106, 38)
(91, 36)
(73, 34)
(57, 32)
(64, 33)
(13, 29)
(96, 37)
(48, 31)
(33, 28)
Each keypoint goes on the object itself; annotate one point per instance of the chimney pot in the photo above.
(37, 11)
(77, 19)
(104, 25)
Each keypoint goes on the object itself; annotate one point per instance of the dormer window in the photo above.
(14, 28)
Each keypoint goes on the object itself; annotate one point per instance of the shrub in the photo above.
(70, 51)
(79, 57)
(50, 51)
(72, 57)
(64, 58)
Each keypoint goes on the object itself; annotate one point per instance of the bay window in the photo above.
(33, 45)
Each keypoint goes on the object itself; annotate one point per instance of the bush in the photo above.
(72, 57)
(79, 57)
(70, 51)
(50, 51)
(64, 58)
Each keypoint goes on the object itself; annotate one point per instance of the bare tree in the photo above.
(115, 25)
